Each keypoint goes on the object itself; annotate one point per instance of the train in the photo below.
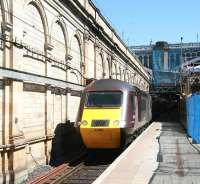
(110, 112)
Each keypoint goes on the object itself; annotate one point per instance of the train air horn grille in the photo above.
(100, 123)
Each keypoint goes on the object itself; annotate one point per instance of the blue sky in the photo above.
(139, 21)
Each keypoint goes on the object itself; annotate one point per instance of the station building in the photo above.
(165, 59)
(49, 50)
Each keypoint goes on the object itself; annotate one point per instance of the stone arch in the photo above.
(77, 59)
(38, 5)
(78, 36)
(114, 70)
(60, 21)
(75, 73)
(120, 73)
(127, 77)
(35, 36)
(117, 71)
(132, 78)
(100, 66)
(123, 74)
(59, 41)
(107, 68)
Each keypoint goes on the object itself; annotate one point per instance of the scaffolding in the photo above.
(165, 82)
(190, 77)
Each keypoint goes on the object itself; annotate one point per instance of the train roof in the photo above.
(110, 84)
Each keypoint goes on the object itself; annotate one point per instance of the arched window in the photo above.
(107, 69)
(124, 75)
(99, 67)
(120, 73)
(59, 51)
(75, 75)
(76, 71)
(127, 77)
(117, 72)
(34, 36)
(114, 71)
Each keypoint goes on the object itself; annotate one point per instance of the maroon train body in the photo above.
(111, 111)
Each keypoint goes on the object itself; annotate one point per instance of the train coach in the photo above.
(111, 111)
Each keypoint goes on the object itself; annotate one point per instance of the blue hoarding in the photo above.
(193, 117)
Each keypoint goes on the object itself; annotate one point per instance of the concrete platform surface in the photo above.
(137, 163)
(162, 154)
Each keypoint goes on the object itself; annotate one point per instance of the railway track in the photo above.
(83, 173)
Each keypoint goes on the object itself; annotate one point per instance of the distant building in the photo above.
(165, 59)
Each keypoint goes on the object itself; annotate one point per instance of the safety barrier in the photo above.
(193, 117)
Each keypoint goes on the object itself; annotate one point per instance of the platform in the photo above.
(161, 154)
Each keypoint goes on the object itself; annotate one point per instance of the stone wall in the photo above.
(1, 110)
(47, 51)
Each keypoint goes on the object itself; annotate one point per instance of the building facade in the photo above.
(166, 59)
(49, 50)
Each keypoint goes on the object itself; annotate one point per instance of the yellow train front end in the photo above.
(100, 122)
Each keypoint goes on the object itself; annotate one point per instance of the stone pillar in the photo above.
(49, 110)
(96, 53)
(48, 99)
(48, 49)
(86, 53)
(48, 96)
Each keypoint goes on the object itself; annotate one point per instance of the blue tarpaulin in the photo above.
(163, 78)
(193, 117)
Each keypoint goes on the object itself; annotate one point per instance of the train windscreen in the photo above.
(104, 99)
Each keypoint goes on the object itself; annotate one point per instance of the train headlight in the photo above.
(84, 123)
(116, 123)
(77, 124)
